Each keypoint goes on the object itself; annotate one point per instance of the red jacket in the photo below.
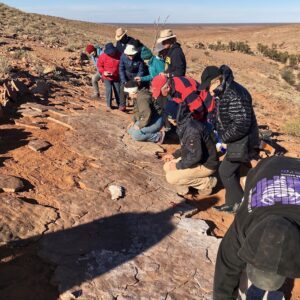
(109, 64)
(200, 103)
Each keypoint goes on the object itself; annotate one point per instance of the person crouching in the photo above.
(147, 122)
(196, 161)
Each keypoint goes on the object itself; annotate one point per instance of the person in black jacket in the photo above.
(123, 39)
(236, 126)
(196, 161)
(175, 63)
(264, 238)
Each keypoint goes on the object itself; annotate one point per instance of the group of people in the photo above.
(210, 116)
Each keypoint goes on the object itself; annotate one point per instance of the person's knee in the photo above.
(137, 135)
(172, 179)
(225, 171)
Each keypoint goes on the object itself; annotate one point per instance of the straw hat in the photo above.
(130, 50)
(120, 32)
(165, 34)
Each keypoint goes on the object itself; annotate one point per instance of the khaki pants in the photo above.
(198, 177)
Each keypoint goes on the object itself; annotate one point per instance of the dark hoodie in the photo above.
(197, 144)
(175, 61)
(235, 114)
(126, 39)
(272, 190)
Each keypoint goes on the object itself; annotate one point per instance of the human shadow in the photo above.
(89, 250)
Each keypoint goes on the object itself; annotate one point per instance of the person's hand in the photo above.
(172, 166)
(138, 79)
(136, 127)
(167, 157)
(130, 125)
(105, 73)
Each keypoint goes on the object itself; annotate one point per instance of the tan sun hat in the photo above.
(164, 35)
(120, 32)
(130, 50)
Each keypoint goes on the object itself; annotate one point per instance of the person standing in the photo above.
(175, 59)
(131, 66)
(123, 39)
(108, 66)
(236, 126)
(94, 52)
(155, 65)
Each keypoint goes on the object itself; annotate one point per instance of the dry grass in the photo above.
(292, 127)
(52, 31)
(5, 65)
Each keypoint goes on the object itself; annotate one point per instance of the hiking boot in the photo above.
(161, 137)
(95, 96)
(232, 209)
(122, 108)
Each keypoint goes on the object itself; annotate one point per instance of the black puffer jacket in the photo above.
(235, 114)
(197, 144)
(175, 61)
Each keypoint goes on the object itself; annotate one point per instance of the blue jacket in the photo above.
(129, 69)
(156, 65)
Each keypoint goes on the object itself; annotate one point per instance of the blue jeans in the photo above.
(109, 86)
(149, 133)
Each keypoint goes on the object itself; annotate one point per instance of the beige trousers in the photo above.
(198, 177)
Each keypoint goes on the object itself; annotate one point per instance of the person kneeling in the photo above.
(196, 161)
(147, 122)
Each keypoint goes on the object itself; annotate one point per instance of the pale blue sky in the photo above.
(183, 11)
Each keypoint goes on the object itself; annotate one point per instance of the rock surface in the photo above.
(141, 247)
(38, 145)
(10, 184)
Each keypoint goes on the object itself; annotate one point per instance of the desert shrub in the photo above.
(242, 47)
(274, 54)
(292, 127)
(200, 46)
(293, 60)
(5, 65)
(288, 75)
(20, 53)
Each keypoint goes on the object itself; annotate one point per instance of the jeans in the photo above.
(109, 86)
(229, 174)
(123, 96)
(96, 77)
(149, 133)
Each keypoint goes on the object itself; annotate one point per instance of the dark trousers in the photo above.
(109, 86)
(230, 177)
(123, 96)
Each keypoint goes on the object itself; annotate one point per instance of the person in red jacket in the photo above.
(108, 66)
(185, 89)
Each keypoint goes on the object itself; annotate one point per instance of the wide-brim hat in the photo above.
(267, 281)
(165, 34)
(120, 32)
(158, 47)
(130, 50)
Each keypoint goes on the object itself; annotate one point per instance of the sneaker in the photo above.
(227, 208)
(161, 138)
(108, 109)
(122, 108)
(95, 96)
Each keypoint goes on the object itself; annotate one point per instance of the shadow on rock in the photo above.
(87, 251)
